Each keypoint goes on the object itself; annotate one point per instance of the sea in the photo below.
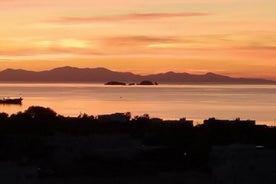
(166, 101)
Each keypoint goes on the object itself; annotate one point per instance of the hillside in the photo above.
(72, 74)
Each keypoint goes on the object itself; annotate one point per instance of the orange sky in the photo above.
(233, 37)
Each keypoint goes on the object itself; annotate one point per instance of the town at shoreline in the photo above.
(38, 145)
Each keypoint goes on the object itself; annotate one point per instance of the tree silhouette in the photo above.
(37, 112)
(3, 116)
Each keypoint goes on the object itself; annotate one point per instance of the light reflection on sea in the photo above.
(195, 102)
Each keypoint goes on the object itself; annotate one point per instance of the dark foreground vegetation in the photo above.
(39, 146)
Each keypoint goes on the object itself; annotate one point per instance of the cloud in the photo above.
(130, 17)
(142, 44)
(54, 50)
(138, 39)
(138, 44)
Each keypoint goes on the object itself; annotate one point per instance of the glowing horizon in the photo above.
(231, 37)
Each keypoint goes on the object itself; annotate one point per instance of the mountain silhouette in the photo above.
(102, 75)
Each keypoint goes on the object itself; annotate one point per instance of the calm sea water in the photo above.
(195, 102)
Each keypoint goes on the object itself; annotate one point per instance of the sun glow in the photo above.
(196, 33)
(73, 43)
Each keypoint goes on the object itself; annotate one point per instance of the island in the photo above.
(115, 83)
(144, 82)
(147, 82)
(131, 84)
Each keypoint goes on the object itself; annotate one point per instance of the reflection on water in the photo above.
(166, 101)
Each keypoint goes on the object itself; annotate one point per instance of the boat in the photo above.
(11, 101)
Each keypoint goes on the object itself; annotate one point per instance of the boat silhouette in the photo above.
(11, 101)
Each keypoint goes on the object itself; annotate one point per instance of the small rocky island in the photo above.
(145, 82)
(115, 83)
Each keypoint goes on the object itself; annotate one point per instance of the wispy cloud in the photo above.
(63, 47)
(138, 44)
(129, 40)
(141, 44)
(130, 17)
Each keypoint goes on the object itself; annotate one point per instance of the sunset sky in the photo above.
(232, 37)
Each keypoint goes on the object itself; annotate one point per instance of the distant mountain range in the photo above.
(102, 75)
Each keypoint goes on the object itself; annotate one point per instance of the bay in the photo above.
(196, 102)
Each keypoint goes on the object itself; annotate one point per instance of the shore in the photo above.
(39, 146)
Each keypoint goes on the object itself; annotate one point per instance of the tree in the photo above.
(38, 112)
(3, 116)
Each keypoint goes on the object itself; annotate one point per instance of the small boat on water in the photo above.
(11, 101)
